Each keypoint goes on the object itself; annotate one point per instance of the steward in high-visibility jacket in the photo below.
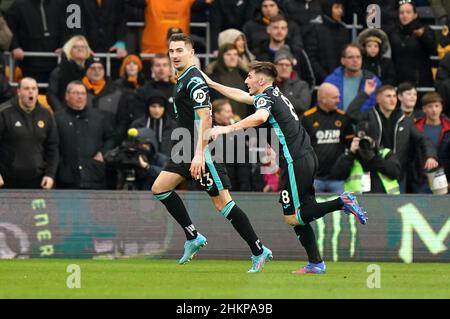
(377, 175)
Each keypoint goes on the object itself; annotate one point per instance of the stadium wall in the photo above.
(97, 224)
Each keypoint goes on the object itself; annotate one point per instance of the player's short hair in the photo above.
(405, 86)
(181, 37)
(432, 97)
(266, 68)
(217, 105)
(384, 88)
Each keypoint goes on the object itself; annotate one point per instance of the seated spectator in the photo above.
(443, 82)
(72, 67)
(376, 43)
(407, 95)
(330, 132)
(227, 72)
(84, 137)
(36, 27)
(367, 167)
(437, 128)
(103, 94)
(412, 45)
(28, 141)
(237, 38)
(131, 76)
(391, 129)
(278, 31)
(350, 78)
(296, 90)
(158, 121)
(137, 160)
(239, 172)
(325, 41)
(256, 29)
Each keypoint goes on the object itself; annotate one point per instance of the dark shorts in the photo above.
(213, 180)
(297, 186)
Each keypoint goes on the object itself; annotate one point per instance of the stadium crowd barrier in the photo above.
(101, 224)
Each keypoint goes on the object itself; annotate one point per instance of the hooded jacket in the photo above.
(230, 36)
(382, 67)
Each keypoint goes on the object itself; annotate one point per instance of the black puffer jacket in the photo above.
(411, 54)
(82, 135)
(102, 26)
(324, 44)
(33, 31)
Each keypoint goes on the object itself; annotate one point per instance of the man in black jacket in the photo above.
(37, 26)
(28, 141)
(84, 136)
(391, 128)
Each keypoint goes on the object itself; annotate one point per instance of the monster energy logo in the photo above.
(337, 219)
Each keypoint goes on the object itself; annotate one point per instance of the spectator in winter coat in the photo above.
(84, 137)
(325, 41)
(376, 43)
(28, 141)
(350, 78)
(237, 38)
(72, 67)
(227, 72)
(256, 29)
(412, 45)
(296, 90)
(37, 26)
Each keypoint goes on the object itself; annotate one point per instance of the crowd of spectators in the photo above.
(361, 99)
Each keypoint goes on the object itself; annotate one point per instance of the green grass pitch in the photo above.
(140, 278)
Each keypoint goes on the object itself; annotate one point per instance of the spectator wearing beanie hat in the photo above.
(157, 120)
(296, 90)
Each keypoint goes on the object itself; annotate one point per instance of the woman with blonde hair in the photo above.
(76, 51)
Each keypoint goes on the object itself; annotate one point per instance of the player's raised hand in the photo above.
(197, 168)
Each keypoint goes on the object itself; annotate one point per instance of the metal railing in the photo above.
(206, 56)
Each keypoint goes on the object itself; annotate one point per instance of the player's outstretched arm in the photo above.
(257, 118)
(231, 93)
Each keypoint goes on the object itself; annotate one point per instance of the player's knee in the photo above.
(291, 220)
(156, 189)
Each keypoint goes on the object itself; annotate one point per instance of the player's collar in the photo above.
(185, 72)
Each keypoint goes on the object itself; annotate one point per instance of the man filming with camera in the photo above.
(137, 160)
(392, 129)
(368, 168)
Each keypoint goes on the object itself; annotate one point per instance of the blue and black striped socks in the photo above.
(176, 208)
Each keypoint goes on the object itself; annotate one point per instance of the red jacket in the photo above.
(443, 148)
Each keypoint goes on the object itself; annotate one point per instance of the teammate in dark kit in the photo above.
(192, 109)
(297, 196)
